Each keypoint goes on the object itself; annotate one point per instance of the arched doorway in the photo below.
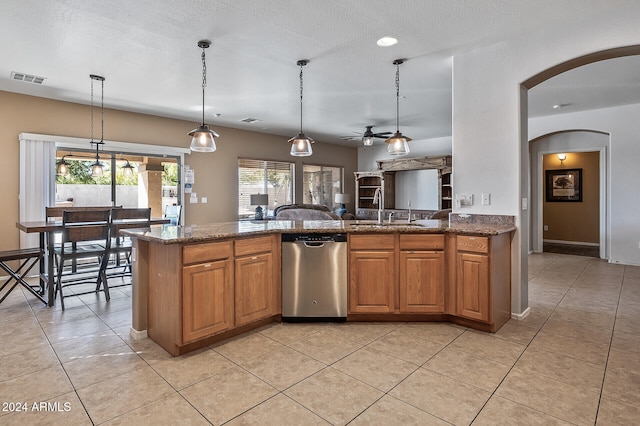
(570, 141)
(525, 154)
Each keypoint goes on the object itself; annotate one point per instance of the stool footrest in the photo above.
(9, 255)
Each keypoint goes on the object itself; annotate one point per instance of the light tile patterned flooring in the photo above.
(574, 360)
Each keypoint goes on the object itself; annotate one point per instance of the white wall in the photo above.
(489, 126)
(623, 154)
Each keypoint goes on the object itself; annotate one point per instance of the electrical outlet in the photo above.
(464, 199)
(546, 227)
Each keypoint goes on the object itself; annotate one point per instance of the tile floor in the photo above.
(574, 360)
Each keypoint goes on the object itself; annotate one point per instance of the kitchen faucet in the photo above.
(377, 198)
(409, 217)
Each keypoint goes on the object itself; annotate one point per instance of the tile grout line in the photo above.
(606, 364)
(493, 393)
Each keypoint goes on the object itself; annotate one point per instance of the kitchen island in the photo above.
(199, 284)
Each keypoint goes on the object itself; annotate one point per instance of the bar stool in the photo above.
(29, 258)
(124, 218)
(85, 235)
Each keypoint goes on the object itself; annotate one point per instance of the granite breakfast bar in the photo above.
(195, 285)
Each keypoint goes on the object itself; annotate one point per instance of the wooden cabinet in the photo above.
(257, 279)
(473, 286)
(207, 290)
(372, 274)
(207, 299)
(483, 279)
(422, 273)
(366, 185)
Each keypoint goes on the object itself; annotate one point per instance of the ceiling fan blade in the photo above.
(382, 135)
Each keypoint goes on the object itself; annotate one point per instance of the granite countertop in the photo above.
(171, 234)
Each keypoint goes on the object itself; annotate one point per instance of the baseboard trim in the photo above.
(573, 243)
(137, 335)
(523, 315)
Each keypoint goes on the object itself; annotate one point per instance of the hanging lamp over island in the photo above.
(301, 143)
(202, 136)
(397, 144)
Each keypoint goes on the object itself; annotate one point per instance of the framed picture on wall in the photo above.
(564, 185)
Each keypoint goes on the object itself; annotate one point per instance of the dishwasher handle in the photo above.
(313, 244)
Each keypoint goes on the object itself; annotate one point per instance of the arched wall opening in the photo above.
(569, 141)
(526, 162)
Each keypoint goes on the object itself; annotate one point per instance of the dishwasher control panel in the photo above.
(320, 238)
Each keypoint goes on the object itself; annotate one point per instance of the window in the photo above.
(321, 183)
(274, 178)
(156, 187)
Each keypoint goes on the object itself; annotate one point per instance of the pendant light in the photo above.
(301, 144)
(97, 168)
(62, 167)
(127, 169)
(203, 137)
(397, 144)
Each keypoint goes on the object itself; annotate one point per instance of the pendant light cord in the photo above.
(301, 87)
(204, 80)
(92, 110)
(397, 98)
(102, 112)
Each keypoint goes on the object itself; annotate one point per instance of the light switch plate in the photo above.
(486, 199)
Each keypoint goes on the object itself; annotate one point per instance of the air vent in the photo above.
(29, 78)
(250, 120)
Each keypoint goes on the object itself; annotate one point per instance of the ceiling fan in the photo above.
(368, 136)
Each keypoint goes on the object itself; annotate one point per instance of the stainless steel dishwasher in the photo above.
(314, 277)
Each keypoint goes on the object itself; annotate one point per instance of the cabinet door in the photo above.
(473, 286)
(372, 280)
(422, 281)
(255, 293)
(207, 299)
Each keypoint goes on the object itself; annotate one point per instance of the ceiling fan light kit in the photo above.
(368, 136)
(203, 138)
(397, 144)
(301, 144)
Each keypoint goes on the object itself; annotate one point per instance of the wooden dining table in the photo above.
(46, 230)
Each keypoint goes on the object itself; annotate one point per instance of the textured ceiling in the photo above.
(147, 51)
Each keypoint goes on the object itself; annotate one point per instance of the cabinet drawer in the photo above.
(421, 241)
(253, 246)
(206, 252)
(472, 244)
(372, 242)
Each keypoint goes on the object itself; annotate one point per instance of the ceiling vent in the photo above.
(29, 78)
(250, 120)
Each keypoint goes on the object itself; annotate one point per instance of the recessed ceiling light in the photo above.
(250, 120)
(387, 41)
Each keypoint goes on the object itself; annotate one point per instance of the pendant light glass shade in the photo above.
(202, 137)
(127, 169)
(397, 144)
(367, 141)
(301, 143)
(62, 167)
(97, 168)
